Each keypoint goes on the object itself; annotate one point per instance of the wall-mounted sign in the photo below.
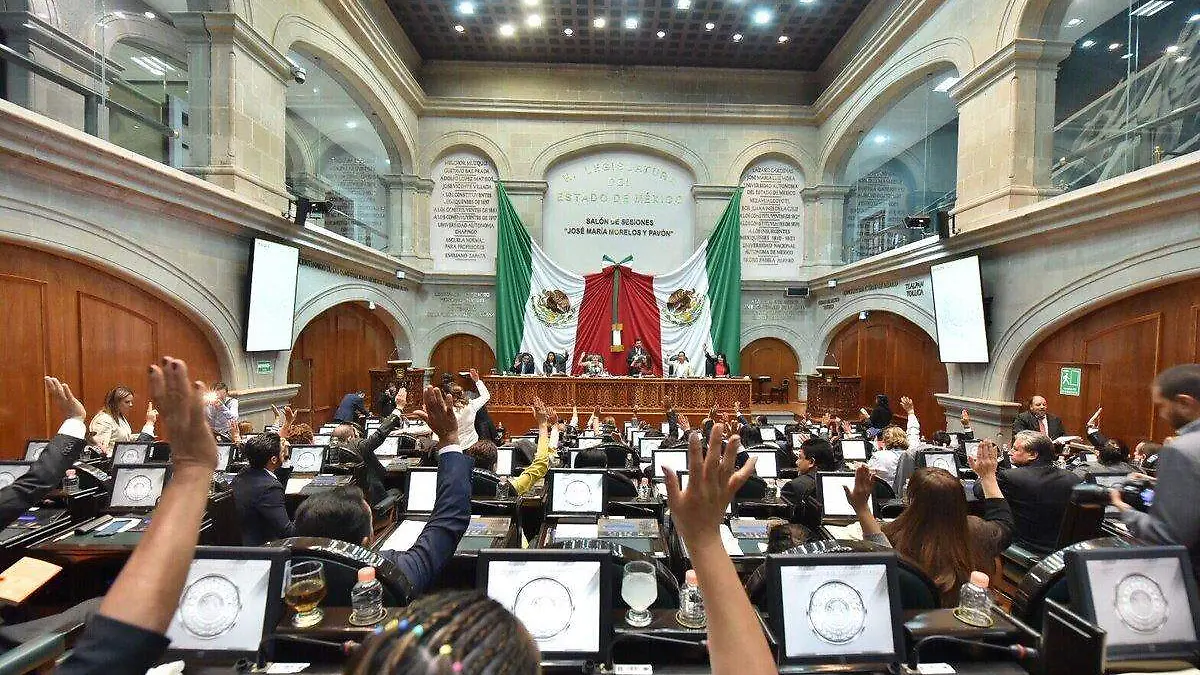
(462, 214)
(264, 367)
(772, 220)
(1070, 381)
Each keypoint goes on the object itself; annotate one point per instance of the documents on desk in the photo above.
(404, 536)
(851, 531)
(295, 485)
(576, 531)
(729, 541)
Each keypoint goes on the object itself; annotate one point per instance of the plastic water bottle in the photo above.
(691, 603)
(71, 481)
(974, 604)
(367, 599)
(643, 492)
(503, 488)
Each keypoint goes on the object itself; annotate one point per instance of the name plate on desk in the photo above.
(482, 526)
(641, 528)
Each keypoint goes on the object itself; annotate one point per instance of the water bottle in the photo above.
(691, 603)
(503, 488)
(643, 493)
(974, 604)
(71, 481)
(367, 599)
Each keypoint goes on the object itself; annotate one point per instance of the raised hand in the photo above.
(907, 404)
(438, 413)
(68, 406)
(699, 510)
(401, 398)
(985, 460)
(192, 444)
(289, 414)
(541, 414)
(864, 485)
(151, 413)
(1094, 420)
(474, 375)
(965, 418)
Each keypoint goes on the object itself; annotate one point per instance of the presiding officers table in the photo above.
(616, 396)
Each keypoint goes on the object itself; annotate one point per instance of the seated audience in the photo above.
(814, 455)
(555, 363)
(387, 400)
(47, 472)
(346, 440)
(258, 492)
(484, 453)
(884, 460)
(880, 416)
(1037, 489)
(353, 408)
(619, 485)
(523, 365)
(341, 513)
(111, 425)
(1112, 456)
(935, 530)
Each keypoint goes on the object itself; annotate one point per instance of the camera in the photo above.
(299, 74)
(1137, 493)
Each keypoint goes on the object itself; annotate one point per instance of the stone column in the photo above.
(989, 419)
(408, 215)
(824, 216)
(238, 89)
(1006, 131)
(527, 197)
(711, 201)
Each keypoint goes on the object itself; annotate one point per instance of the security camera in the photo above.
(401, 275)
(299, 74)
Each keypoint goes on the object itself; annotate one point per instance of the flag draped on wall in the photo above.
(542, 308)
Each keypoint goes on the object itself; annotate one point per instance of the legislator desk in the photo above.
(616, 396)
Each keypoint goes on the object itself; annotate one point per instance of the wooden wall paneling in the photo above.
(461, 351)
(1194, 324)
(127, 342)
(1070, 407)
(24, 406)
(1130, 353)
(773, 357)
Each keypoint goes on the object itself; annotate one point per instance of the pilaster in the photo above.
(408, 215)
(528, 198)
(989, 419)
(824, 207)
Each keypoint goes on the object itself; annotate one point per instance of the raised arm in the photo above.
(541, 461)
(860, 499)
(484, 395)
(47, 472)
(913, 428)
(997, 514)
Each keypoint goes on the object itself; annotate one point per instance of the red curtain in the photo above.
(637, 311)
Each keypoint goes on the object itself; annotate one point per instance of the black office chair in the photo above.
(36, 655)
(1081, 521)
(342, 561)
(1047, 580)
(668, 585)
(484, 483)
(616, 454)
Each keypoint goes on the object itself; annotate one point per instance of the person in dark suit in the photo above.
(353, 408)
(815, 455)
(1037, 419)
(345, 439)
(638, 358)
(387, 400)
(258, 491)
(523, 364)
(1037, 489)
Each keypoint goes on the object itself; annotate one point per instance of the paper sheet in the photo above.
(295, 485)
(404, 537)
(729, 541)
(24, 577)
(576, 531)
(851, 531)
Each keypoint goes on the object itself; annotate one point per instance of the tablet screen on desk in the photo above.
(576, 491)
(585, 443)
(676, 460)
(765, 467)
(10, 472)
(768, 433)
(389, 448)
(125, 454)
(833, 497)
(504, 457)
(647, 446)
(854, 449)
(422, 489)
(307, 458)
(33, 450)
(941, 460)
(224, 450)
(137, 486)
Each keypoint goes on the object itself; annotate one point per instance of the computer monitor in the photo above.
(676, 460)
(768, 433)
(232, 599)
(322, 439)
(307, 458)
(1143, 597)
(125, 454)
(389, 448)
(504, 460)
(972, 449)
(11, 471)
(636, 435)
(841, 608)
(833, 497)
(1070, 643)
(940, 460)
(138, 486)
(766, 466)
(797, 440)
(224, 452)
(647, 446)
(576, 492)
(589, 442)
(421, 489)
(563, 598)
(34, 448)
(854, 449)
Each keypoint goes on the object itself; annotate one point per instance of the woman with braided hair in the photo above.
(451, 633)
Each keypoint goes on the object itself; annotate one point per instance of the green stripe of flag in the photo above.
(514, 267)
(723, 260)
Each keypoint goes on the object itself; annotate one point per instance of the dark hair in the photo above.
(941, 438)
(1179, 380)
(592, 458)
(1114, 451)
(820, 452)
(482, 634)
(260, 449)
(1038, 444)
(300, 434)
(881, 400)
(484, 453)
(338, 514)
(112, 401)
(220, 385)
(751, 435)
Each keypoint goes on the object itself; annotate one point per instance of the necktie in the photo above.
(1045, 427)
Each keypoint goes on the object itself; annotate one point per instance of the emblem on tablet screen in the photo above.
(307, 461)
(544, 605)
(837, 613)
(7, 478)
(578, 493)
(1141, 604)
(131, 456)
(138, 488)
(210, 606)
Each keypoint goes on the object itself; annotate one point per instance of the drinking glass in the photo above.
(639, 589)
(304, 591)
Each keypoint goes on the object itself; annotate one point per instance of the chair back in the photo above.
(484, 483)
(342, 561)
(904, 471)
(668, 585)
(1048, 580)
(616, 454)
(1080, 522)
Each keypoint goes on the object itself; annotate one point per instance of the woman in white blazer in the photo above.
(111, 425)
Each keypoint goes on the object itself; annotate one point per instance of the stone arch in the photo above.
(876, 97)
(362, 82)
(772, 148)
(464, 140)
(1063, 305)
(395, 318)
(141, 267)
(46, 10)
(1028, 19)
(441, 331)
(137, 29)
(298, 146)
(605, 139)
(799, 343)
(871, 302)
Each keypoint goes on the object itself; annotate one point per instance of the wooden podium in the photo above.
(402, 373)
(831, 393)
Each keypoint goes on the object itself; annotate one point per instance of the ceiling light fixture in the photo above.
(599, 22)
(661, 34)
(459, 28)
(1181, 59)
(1194, 18)
(507, 30)
(533, 20)
(762, 17)
(1074, 22)
(783, 39)
(1087, 44)
(1127, 55)
(944, 85)
(1114, 46)
(568, 31)
(466, 8)
(149, 15)
(880, 139)
(631, 23)
(1172, 49)
(531, 3)
(737, 37)
(1152, 7)
(683, 4)
(351, 124)
(709, 26)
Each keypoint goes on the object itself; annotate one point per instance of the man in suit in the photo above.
(346, 440)
(1037, 489)
(1174, 517)
(353, 408)
(258, 491)
(680, 367)
(815, 455)
(637, 355)
(1037, 419)
(523, 364)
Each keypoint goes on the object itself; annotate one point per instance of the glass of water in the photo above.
(639, 589)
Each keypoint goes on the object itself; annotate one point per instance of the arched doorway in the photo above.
(459, 352)
(772, 357)
(333, 356)
(93, 329)
(893, 356)
(1120, 348)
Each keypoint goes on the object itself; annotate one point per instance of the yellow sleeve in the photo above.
(536, 471)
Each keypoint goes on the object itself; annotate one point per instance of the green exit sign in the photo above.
(1070, 381)
(265, 367)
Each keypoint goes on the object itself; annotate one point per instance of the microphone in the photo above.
(1018, 651)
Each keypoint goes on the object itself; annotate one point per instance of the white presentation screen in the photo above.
(958, 309)
(273, 270)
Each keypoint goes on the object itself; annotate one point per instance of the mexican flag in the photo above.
(542, 308)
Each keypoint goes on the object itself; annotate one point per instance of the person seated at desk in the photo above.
(484, 452)
(619, 486)
(716, 365)
(679, 366)
(353, 408)
(935, 530)
(258, 492)
(638, 359)
(1112, 455)
(555, 364)
(523, 365)
(815, 455)
(1037, 489)
(221, 411)
(591, 365)
(884, 461)
(387, 398)
(111, 425)
(346, 439)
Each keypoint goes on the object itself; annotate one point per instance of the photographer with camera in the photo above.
(1174, 515)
